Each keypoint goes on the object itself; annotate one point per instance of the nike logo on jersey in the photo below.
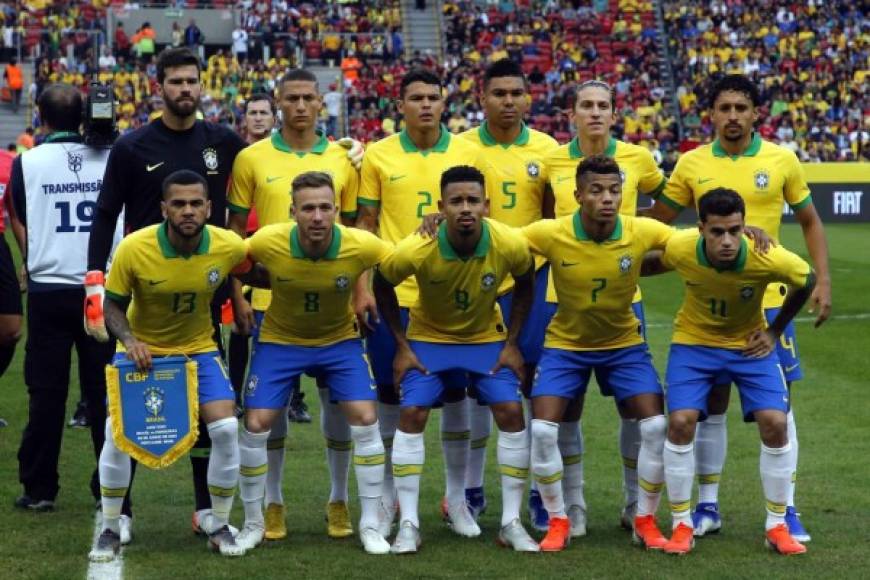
(568, 264)
(396, 177)
(702, 181)
(434, 282)
(562, 178)
(280, 279)
(271, 179)
(692, 283)
(155, 282)
(150, 168)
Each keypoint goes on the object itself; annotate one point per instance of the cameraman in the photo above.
(54, 190)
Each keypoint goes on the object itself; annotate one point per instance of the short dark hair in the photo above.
(260, 97)
(594, 83)
(418, 75)
(600, 164)
(60, 107)
(738, 84)
(298, 74)
(183, 177)
(173, 58)
(501, 68)
(462, 174)
(311, 180)
(720, 201)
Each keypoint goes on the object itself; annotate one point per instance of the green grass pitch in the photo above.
(831, 413)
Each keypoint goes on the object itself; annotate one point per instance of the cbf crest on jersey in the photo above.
(210, 158)
(747, 292)
(74, 161)
(213, 277)
(533, 169)
(487, 281)
(762, 179)
(625, 263)
(342, 282)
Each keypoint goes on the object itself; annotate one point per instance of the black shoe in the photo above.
(3, 422)
(298, 410)
(107, 547)
(26, 502)
(80, 417)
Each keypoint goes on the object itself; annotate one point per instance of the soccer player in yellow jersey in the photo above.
(768, 177)
(515, 180)
(596, 254)
(593, 115)
(399, 185)
(167, 274)
(262, 174)
(456, 328)
(721, 330)
(309, 327)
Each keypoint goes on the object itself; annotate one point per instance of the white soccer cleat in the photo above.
(461, 521)
(223, 541)
(386, 515)
(126, 529)
(106, 548)
(577, 517)
(373, 542)
(626, 517)
(407, 540)
(205, 524)
(514, 536)
(251, 535)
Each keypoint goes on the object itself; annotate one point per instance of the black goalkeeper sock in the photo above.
(199, 456)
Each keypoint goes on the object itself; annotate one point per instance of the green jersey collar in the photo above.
(319, 147)
(751, 151)
(447, 251)
(487, 139)
(737, 266)
(575, 152)
(581, 234)
(331, 252)
(169, 251)
(439, 147)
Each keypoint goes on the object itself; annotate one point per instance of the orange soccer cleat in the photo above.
(558, 535)
(682, 541)
(647, 533)
(780, 539)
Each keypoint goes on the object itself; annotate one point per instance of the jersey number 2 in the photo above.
(426, 202)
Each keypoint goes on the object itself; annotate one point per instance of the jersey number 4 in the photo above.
(84, 212)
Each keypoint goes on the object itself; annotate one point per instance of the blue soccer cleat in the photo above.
(795, 527)
(476, 501)
(706, 519)
(539, 516)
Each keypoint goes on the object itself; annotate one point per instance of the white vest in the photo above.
(62, 183)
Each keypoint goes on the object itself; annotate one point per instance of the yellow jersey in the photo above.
(311, 298)
(457, 300)
(766, 176)
(594, 281)
(262, 175)
(405, 183)
(171, 293)
(722, 307)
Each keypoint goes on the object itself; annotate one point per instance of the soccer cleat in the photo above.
(203, 523)
(80, 417)
(577, 517)
(276, 526)
(647, 534)
(627, 515)
(94, 321)
(338, 520)
(706, 519)
(780, 540)
(26, 502)
(373, 542)
(558, 535)
(251, 535)
(223, 541)
(387, 512)
(126, 529)
(682, 541)
(537, 514)
(795, 527)
(460, 521)
(106, 548)
(476, 501)
(515, 536)
(297, 410)
(407, 539)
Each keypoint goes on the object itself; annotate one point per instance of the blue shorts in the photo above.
(693, 370)
(381, 348)
(211, 375)
(343, 365)
(259, 315)
(621, 372)
(453, 366)
(639, 314)
(786, 348)
(532, 336)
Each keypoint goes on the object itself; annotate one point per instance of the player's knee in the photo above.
(681, 428)
(574, 410)
(653, 429)
(413, 419)
(508, 417)
(362, 417)
(10, 333)
(544, 437)
(224, 431)
(773, 429)
(256, 423)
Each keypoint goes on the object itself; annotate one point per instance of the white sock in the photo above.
(368, 466)
(338, 445)
(114, 469)
(629, 448)
(571, 448)
(793, 441)
(679, 472)
(252, 473)
(650, 467)
(711, 442)
(223, 468)
(481, 427)
(276, 450)
(776, 471)
(513, 462)
(409, 454)
(547, 465)
(455, 444)
(527, 415)
(388, 419)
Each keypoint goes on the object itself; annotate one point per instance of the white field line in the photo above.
(799, 319)
(113, 570)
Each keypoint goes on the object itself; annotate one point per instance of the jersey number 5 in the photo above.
(511, 196)
(183, 302)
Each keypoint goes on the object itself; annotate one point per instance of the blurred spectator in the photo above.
(333, 101)
(14, 77)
